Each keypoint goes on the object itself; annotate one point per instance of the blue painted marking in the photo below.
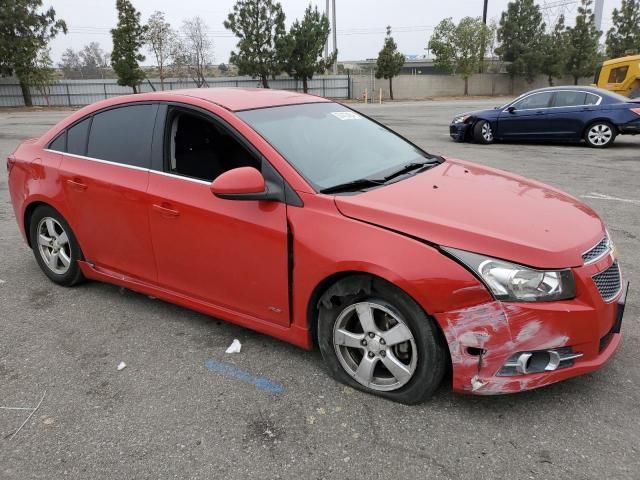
(232, 371)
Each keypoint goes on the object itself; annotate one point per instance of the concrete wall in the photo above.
(423, 86)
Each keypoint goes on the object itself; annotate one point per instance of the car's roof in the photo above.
(581, 88)
(236, 99)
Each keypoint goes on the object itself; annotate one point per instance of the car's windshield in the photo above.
(331, 145)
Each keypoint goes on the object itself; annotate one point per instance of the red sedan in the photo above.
(302, 219)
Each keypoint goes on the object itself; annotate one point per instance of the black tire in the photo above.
(600, 134)
(72, 273)
(431, 361)
(483, 132)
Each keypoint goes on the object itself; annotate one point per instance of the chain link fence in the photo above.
(75, 93)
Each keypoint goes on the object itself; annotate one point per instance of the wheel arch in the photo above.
(351, 282)
(591, 122)
(28, 214)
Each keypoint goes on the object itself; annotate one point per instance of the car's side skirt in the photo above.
(293, 334)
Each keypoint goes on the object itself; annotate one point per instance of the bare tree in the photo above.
(161, 40)
(194, 50)
(70, 64)
(94, 60)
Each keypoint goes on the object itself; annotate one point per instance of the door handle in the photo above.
(166, 210)
(77, 185)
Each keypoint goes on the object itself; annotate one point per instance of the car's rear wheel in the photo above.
(600, 135)
(382, 343)
(482, 132)
(55, 246)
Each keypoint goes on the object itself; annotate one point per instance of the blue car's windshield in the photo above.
(330, 144)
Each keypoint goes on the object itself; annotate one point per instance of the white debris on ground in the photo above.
(122, 366)
(234, 347)
(2, 281)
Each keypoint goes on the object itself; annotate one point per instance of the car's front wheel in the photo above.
(482, 132)
(600, 135)
(55, 246)
(383, 343)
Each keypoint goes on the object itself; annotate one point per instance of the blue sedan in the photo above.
(569, 114)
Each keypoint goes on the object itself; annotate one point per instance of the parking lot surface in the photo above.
(178, 410)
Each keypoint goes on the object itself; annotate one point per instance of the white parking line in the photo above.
(602, 196)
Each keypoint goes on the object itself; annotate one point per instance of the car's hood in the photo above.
(488, 114)
(463, 205)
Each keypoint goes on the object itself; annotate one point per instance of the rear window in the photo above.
(617, 75)
(77, 137)
(123, 135)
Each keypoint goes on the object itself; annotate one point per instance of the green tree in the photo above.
(160, 39)
(43, 75)
(128, 38)
(582, 44)
(301, 49)
(259, 25)
(624, 35)
(390, 61)
(554, 52)
(520, 34)
(24, 34)
(460, 49)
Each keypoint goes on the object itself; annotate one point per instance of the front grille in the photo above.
(609, 282)
(598, 251)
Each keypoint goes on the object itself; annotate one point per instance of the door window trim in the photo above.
(506, 110)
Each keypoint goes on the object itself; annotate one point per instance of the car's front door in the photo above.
(104, 174)
(525, 119)
(231, 254)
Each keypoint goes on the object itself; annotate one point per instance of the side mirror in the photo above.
(511, 109)
(243, 183)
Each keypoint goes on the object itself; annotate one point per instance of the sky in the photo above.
(361, 24)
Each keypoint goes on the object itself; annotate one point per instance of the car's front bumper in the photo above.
(485, 338)
(458, 131)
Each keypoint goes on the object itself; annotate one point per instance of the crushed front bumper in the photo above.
(485, 338)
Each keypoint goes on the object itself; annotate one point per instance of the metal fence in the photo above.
(69, 93)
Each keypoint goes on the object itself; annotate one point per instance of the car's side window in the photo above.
(591, 99)
(198, 147)
(537, 100)
(569, 98)
(123, 135)
(59, 144)
(77, 137)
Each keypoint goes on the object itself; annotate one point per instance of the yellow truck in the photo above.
(620, 75)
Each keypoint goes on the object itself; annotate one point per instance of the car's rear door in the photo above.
(231, 254)
(104, 174)
(570, 112)
(527, 119)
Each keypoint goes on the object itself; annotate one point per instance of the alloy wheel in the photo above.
(600, 134)
(375, 346)
(487, 132)
(54, 246)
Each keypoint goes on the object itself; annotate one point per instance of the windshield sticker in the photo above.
(346, 115)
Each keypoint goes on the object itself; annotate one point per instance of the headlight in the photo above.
(516, 283)
(460, 118)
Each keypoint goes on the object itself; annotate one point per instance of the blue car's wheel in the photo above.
(600, 134)
(482, 132)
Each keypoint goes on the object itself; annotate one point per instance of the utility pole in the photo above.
(326, 45)
(597, 13)
(484, 12)
(335, 37)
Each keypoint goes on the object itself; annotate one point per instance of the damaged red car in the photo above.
(300, 218)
